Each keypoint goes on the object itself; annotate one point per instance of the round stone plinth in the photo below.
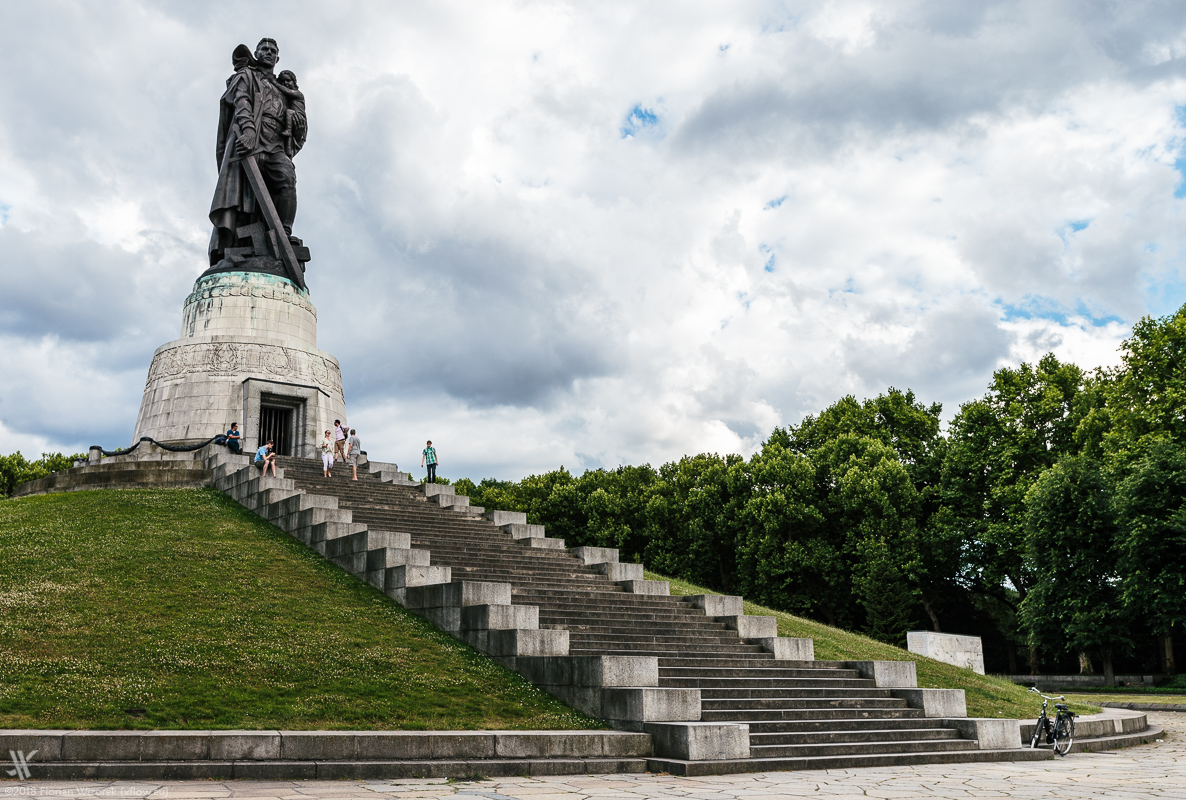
(249, 304)
(248, 345)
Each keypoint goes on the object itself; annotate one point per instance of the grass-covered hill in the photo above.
(986, 695)
(187, 607)
(180, 609)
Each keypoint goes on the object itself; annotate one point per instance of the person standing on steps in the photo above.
(339, 441)
(429, 458)
(327, 455)
(353, 451)
(232, 439)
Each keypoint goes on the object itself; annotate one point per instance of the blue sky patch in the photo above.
(1165, 297)
(776, 202)
(4, 209)
(1041, 307)
(769, 265)
(638, 119)
(1079, 225)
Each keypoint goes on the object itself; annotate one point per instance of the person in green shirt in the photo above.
(429, 458)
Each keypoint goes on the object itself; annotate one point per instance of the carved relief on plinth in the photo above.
(235, 358)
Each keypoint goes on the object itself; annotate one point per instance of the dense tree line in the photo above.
(15, 469)
(1049, 517)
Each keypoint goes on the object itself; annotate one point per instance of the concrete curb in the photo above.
(1179, 707)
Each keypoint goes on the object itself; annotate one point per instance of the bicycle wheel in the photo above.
(1064, 735)
(1038, 726)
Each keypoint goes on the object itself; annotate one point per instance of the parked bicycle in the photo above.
(1060, 731)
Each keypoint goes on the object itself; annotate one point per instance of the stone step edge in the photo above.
(147, 746)
(795, 763)
(333, 770)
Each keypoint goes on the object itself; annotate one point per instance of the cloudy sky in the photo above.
(601, 233)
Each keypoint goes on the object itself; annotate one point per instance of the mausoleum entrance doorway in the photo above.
(275, 424)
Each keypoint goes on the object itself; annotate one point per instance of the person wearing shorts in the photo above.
(264, 458)
(327, 455)
(353, 451)
(339, 441)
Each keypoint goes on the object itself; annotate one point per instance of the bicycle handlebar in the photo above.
(1034, 689)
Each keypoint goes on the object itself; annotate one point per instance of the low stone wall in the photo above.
(279, 755)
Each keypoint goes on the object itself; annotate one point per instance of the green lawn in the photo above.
(986, 696)
(187, 606)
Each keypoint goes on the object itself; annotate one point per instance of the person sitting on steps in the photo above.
(264, 458)
(233, 438)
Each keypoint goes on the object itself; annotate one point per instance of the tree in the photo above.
(1151, 501)
(997, 447)
(1074, 604)
(1148, 392)
(15, 469)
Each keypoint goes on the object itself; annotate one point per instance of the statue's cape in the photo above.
(232, 194)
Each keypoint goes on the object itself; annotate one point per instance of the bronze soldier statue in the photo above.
(261, 126)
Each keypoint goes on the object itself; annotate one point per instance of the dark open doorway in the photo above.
(275, 424)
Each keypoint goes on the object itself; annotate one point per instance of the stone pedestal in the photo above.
(248, 343)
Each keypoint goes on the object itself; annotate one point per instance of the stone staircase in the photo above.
(750, 701)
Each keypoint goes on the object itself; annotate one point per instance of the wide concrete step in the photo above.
(836, 724)
(848, 761)
(766, 683)
(862, 748)
(763, 694)
(868, 735)
(653, 651)
(756, 672)
(562, 603)
(642, 628)
(743, 703)
(642, 638)
(798, 714)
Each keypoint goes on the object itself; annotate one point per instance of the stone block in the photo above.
(174, 745)
(459, 593)
(435, 489)
(888, 674)
(245, 745)
(718, 605)
(950, 648)
(388, 557)
(595, 555)
(749, 627)
(499, 618)
(318, 745)
(453, 501)
(101, 746)
(47, 743)
(649, 704)
(935, 702)
(646, 587)
(571, 744)
(991, 734)
(543, 543)
(518, 531)
(619, 572)
(530, 643)
(789, 649)
(501, 518)
(407, 576)
(597, 671)
(423, 745)
(700, 741)
(446, 618)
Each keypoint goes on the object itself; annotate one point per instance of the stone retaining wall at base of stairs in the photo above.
(295, 755)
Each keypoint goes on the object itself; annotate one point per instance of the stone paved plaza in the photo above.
(1151, 771)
